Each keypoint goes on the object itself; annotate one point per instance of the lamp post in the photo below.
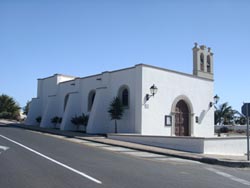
(153, 90)
(216, 99)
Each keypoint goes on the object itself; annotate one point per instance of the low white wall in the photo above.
(219, 146)
(226, 145)
(190, 144)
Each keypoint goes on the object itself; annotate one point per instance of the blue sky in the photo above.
(39, 38)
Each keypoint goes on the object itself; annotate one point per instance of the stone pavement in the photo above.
(230, 161)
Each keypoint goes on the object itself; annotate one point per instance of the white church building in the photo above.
(157, 101)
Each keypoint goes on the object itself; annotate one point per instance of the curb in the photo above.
(233, 164)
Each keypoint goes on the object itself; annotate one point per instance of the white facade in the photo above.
(183, 97)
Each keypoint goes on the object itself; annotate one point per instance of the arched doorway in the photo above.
(182, 119)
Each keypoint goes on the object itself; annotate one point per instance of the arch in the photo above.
(208, 64)
(202, 62)
(182, 116)
(66, 98)
(91, 98)
(186, 99)
(123, 95)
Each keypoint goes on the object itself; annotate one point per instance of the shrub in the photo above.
(39, 119)
(80, 120)
(56, 120)
(224, 130)
(5, 115)
(240, 131)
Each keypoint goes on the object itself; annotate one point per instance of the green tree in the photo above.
(224, 114)
(116, 110)
(9, 109)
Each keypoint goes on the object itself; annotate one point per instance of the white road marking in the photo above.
(229, 176)
(144, 154)
(118, 149)
(54, 161)
(95, 144)
(179, 160)
(4, 148)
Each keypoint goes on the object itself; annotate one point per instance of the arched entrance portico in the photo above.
(182, 115)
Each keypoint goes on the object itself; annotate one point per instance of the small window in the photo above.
(124, 96)
(202, 62)
(66, 98)
(208, 64)
(91, 99)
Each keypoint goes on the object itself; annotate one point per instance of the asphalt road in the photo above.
(33, 160)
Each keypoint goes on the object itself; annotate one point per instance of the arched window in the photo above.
(202, 61)
(124, 96)
(208, 64)
(91, 99)
(66, 98)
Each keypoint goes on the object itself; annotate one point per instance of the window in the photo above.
(202, 61)
(208, 64)
(66, 98)
(124, 96)
(91, 99)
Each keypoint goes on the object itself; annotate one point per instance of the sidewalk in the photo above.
(230, 161)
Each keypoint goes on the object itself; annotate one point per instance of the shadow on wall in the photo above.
(202, 115)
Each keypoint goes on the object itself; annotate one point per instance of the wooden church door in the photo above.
(181, 119)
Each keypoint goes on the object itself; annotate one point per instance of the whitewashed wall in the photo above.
(171, 85)
(34, 112)
(41, 106)
(107, 86)
(52, 95)
(143, 118)
(50, 111)
(72, 109)
(98, 117)
(220, 146)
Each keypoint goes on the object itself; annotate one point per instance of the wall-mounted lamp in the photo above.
(153, 91)
(216, 99)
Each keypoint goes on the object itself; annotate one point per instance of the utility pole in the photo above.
(247, 132)
(245, 110)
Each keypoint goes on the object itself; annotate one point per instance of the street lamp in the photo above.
(216, 99)
(153, 90)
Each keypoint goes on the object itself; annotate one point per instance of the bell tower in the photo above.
(203, 65)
